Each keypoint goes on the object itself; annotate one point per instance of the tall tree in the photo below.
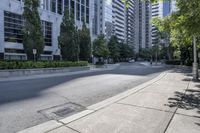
(113, 47)
(69, 38)
(32, 31)
(99, 47)
(126, 51)
(85, 43)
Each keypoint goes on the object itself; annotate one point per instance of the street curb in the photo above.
(76, 116)
(123, 95)
(42, 128)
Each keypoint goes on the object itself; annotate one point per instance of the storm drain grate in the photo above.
(62, 111)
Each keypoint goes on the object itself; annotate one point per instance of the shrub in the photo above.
(173, 62)
(39, 64)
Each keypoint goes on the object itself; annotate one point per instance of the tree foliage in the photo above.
(113, 47)
(126, 51)
(99, 47)
(32, 31)
(182, 26)
(69, 38)
(85, 43)
(189, 13)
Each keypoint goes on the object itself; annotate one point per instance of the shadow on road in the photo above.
(12, 91)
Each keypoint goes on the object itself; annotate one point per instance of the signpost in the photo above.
(34, 53)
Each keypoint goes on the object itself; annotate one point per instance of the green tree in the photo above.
(69, 38)
(99, 47)
(126, 51)
(163, 26)
(32, 31)
(85, 43)
(145, 53)
(113, 46)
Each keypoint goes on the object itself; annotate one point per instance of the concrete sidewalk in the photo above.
(169, 103)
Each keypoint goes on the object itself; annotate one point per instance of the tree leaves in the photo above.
(85, 43)
(32, 31)
(99, 47)
(69, 38)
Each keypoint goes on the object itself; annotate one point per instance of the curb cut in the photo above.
(50, 125)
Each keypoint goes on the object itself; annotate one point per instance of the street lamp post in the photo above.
(195, 64)
(156, 54)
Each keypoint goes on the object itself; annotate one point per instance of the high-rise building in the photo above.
(106, 25)
(131, 25)
(161, 10)
(110, 19)
(119, 15)
(144, 24)
(51, 13)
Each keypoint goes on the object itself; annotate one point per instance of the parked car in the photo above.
(131, 61)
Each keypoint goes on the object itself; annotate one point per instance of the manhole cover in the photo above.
(62, 111)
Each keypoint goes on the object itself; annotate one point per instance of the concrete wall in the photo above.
(28, 72)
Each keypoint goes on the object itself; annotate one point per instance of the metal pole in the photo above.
(156, 54)
(34, 57)
(195, 64)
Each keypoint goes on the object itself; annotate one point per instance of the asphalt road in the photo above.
(25, 103)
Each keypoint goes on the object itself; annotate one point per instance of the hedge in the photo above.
(173, 62)
(39, 64)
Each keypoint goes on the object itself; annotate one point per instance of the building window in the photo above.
(47, 32)
(83, 2)
(10, 50)
(78, 11)
(45, 4)
(66, 4)
(13, 24)
(72, 7)
(53, 5)
(82, 13)
(59, 6)
(87, 3)
(87, 15)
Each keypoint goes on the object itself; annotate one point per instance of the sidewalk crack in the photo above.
(72, 129)
(145, 107)
(174, 113)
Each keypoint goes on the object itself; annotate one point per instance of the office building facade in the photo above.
(109, 19)
(51, 13)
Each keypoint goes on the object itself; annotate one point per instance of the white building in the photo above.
(51, 13)
(119, 16)
(131, 25)
(109, 19)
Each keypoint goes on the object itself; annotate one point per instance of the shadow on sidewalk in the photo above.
(190, 100)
